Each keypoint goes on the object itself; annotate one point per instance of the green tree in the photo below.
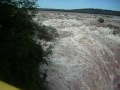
(20, 55)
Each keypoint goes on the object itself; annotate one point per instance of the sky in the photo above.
(78, 4)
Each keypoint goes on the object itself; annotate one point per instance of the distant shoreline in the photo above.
(86, 10)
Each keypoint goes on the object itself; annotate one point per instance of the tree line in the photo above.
(86, 10)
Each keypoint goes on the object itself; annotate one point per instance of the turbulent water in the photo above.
(86, 55)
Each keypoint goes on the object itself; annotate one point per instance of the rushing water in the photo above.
(84, 57)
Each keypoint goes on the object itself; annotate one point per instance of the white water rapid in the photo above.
(85, 56)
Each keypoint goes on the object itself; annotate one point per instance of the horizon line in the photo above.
(77, 8)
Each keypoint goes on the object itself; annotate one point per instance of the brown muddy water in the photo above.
(86, 55)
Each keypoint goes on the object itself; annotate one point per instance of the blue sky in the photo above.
(77, 4)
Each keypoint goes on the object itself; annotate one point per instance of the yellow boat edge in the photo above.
(6, 86)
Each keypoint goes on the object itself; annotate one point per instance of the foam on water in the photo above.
(84, 57)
